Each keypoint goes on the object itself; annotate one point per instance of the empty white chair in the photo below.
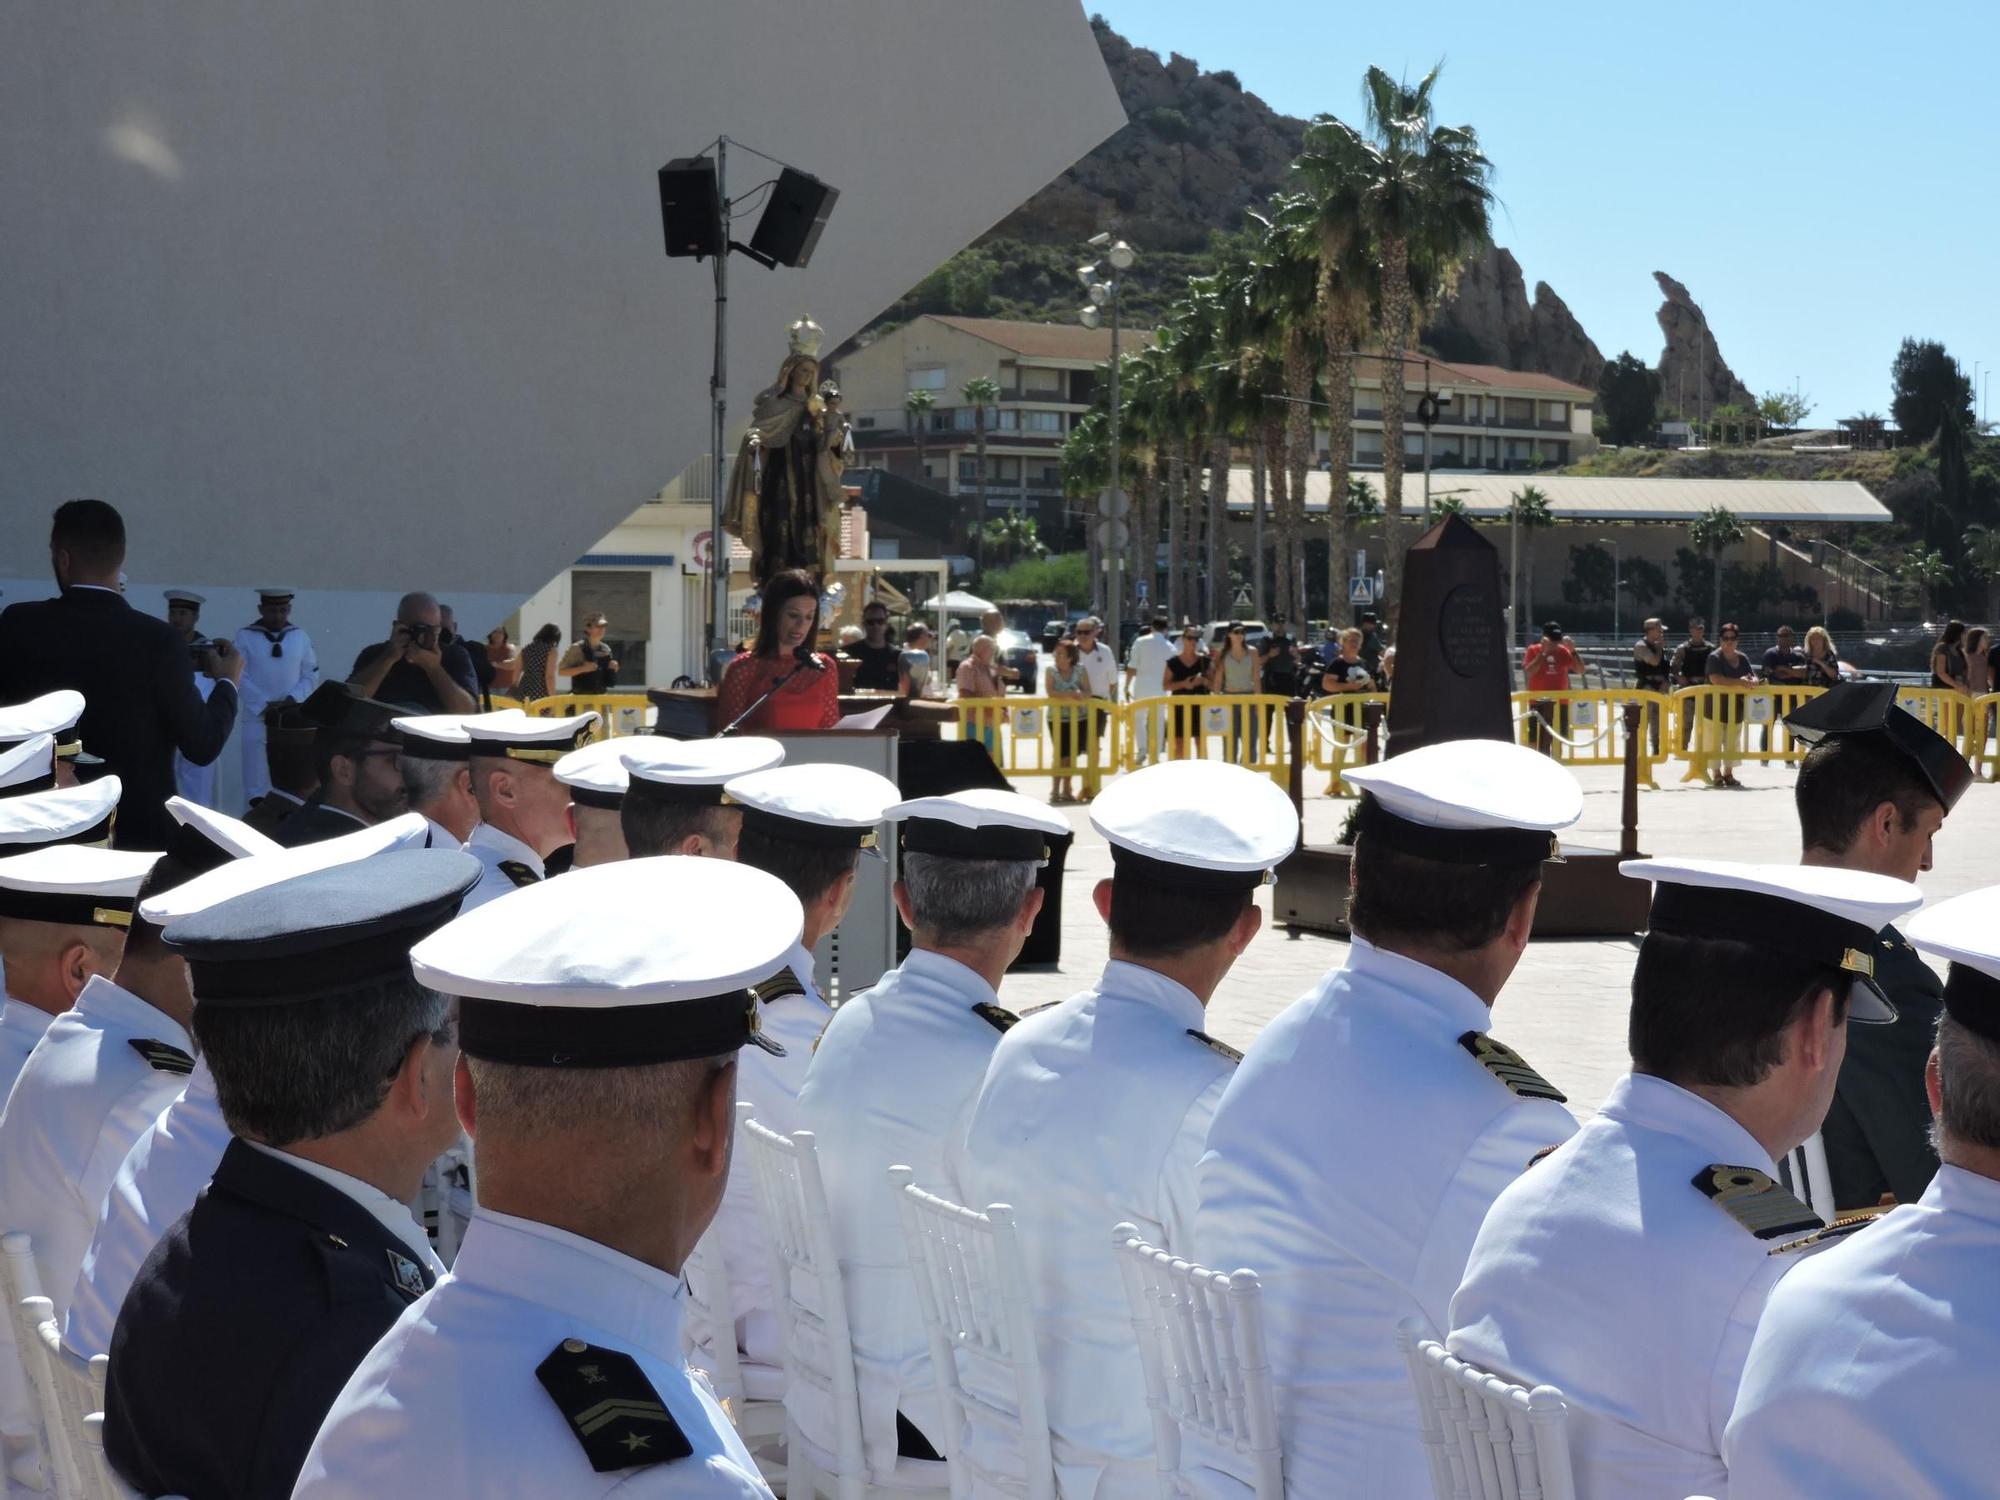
(752, 1393)
(1208, 1377)
(1809, 1178)
(1486, 1438)
(973, 1288)
(59, 1397)
(446, 1199)
(20, 1280)
(110, 1486)
(819, 1349)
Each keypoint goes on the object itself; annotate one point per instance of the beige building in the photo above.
(1488, 418)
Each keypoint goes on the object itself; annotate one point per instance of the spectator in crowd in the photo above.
(1372, 641)
(874, 652)
(538, 660)
(1388, 668)
(1347, 672)
(1822, 661)
(993, 623)
(415, 668)
(803, 685)
(1278, 660)
(1948, 658)
(279, 665)
(978, 677)
(1100, 670)
(1064, 685)
(1551, 661)
(1784, 666)
(1232, 673)
(140, 701)
(588, 666)
(957, 645)
(1730, 670)
(1184, 677)
(1978, 661)
(358, 756)
(913, 662)
(1144, 664)
(504, 657)
(195, 783)
(1691, 668)
(1651, 673)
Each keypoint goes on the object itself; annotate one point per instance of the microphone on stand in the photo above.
(807, 658)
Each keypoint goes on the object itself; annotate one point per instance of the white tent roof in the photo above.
(959, 602)
(1577, 498)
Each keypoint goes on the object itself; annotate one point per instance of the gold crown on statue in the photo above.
(806, 335)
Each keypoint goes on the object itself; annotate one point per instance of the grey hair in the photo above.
(1968, 1087)
(427, 778)
(954, 899)
(299, 1072)
(416, 599)
(652, 1099)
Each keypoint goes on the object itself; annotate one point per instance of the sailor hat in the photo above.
(184, 596)
(1966, 930)
(274, 594)
(323, 932)
(543, 982)
(510, 734)
(53, 713)
(982, 823)
(595, 774)
(73, 884)
(29, 767)
(206, 839)
(64, 815)
(1818, 913)
(1197, 824)
(1468, 802)
(830, 805)
(695, 771)
(1870, 708)
(408, 831)
(433, 736)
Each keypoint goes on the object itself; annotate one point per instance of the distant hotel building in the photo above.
(1500, 420)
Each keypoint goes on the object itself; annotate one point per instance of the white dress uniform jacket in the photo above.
(1349, 1166)
(1093, 1113)
(892, 1083)
(292, 673)
(451, 1392)
(166, 1169)
(1872, 1370)
(21, 1026)
(492, 849)
(197, 783)
(437, 836)
(771, 1085)
(1607, 1272)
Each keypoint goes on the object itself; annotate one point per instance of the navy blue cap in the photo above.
(1870, 708)
(322, 933)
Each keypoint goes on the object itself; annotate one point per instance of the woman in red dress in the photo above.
(811, 698)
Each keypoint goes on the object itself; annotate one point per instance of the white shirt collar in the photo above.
(506, 846)
(392, 1215)
(805, 967)
(97, 588)
(936, 972)
(1958, 1191)
(1457, 1008)
(1654, 1104)
(113, 1006)
(575, 1278)
(441, 836)
(18, 1015)
(1129, 981)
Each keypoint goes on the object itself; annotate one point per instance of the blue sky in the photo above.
(1822, 176)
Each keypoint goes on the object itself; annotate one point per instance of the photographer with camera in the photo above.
(196, 783)
(415, 668)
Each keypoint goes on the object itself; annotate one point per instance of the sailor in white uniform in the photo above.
(1630, 1267)
(1093, 1112)
(278, 663)
(436, 761)
(810, 827)
(174, 1157)
(596, 778)
(598, 1072)
(1871, 1373)
(523, 809)
(674, 802)
(1376, 1118)
(892, 1080)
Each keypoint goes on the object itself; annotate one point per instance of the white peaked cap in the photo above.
(1220, 825)
(409, 831)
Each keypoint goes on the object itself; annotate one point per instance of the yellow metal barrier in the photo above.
(1025, 736)
(1586, 727)
(1718, 728)
(1336, 734)
(617, 713)
(1245, 729)
(1982, 748)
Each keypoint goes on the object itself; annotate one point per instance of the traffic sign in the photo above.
(1115, 502)
(703, 549)
(1361, 591)
(1113, 535)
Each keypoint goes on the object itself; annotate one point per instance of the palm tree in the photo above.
(1015, 536)
(1528, 511)
(1927, 569)
(1146, 390)
(980, 393)
(917, 407)
(1714, 530)
(1426, 199)
(1982, 554)
(1286, 291)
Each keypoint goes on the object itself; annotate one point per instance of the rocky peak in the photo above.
(1694, 377)
(1489, 320)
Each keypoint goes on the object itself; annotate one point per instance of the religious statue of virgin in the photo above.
(784, 491)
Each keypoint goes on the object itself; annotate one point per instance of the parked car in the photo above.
(1217, 631)
(1018, 651)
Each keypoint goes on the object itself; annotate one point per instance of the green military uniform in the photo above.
(1878, 1132)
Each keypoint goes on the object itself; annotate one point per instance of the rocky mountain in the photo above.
(1694, 377)
(1489, 320)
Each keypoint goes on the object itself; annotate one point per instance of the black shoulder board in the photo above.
(1541, 1156)
(778, 986)
(995, 1016)
(1221, 1049)
(1757, 1201)
(611, 1407)
(164, 1057)
(1036, 1010)
(1512, 1069)
(519, 873)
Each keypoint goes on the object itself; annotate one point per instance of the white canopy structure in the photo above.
(1579, 498)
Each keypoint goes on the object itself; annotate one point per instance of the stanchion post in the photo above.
(1628, 833)
(1544, 710)
(1295, 734)
(1371, 729)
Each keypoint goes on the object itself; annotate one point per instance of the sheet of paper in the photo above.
(870, 719)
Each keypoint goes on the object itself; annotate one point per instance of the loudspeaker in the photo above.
(793, 218)
(690, 207)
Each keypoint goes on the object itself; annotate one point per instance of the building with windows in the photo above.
(1048, 377)
(1488, 418)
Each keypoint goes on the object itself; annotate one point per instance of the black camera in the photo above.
(198, 649)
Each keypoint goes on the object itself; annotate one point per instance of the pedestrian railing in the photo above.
(1046, 737)
(1982, 736)
(617, 713)
(1587, 727)
(1245, 729)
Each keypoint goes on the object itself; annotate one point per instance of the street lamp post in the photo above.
(1617, 580)
(1105, 291)
(1430, 407)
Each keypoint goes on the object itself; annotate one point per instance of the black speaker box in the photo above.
(793, 219)
(690, 207)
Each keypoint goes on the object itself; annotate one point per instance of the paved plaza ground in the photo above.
(1565, 1008)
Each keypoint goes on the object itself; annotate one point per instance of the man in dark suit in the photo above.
(333, 1068)
(134, 671)
(357, 758)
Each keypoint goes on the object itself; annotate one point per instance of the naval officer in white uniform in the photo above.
(675, 802)
(1093, 1112)
(599, 1079)
(523, 809)
(1872, 1370)
(175, 1156)
(278, 663)
(1376, 1118)
(435, 757)
(892, 1080)
(1629, 1268)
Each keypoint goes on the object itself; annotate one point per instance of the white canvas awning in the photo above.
(1579, 498)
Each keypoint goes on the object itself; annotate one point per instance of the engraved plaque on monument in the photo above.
(1452, 672)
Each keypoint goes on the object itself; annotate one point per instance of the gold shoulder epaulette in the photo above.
(1512, 1069)
(163, 1057)
(1839, 1229)
(1757, 1201)
(998, 1017)
(778, 986)
(519, 873)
